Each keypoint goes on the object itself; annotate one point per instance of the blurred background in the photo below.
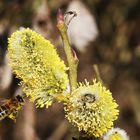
(105, 32)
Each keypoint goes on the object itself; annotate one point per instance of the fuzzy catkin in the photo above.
(35, 61)
(92, 109)
(116, 134)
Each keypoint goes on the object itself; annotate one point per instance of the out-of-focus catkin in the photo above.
(35, 61)
(116, 134)
(92, 109)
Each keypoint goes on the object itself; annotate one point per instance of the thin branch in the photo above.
(97, 73)
(70, 54)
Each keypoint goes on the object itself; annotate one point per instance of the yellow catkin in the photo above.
(35, 61)
(116, 134)
(92, 109)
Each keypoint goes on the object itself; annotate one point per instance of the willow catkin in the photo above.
(92, 109)
(35, 61)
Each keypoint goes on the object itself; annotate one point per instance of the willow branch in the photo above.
(70, 54)
(97, 73)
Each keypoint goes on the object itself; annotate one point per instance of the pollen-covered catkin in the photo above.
(35, 61)
(92, 109)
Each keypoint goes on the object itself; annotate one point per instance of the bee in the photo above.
(88, 97)
(10, 107)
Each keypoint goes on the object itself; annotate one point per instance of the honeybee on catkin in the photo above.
(10, 108)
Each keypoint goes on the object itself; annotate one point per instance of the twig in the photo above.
(97, 73)
(70, 54)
